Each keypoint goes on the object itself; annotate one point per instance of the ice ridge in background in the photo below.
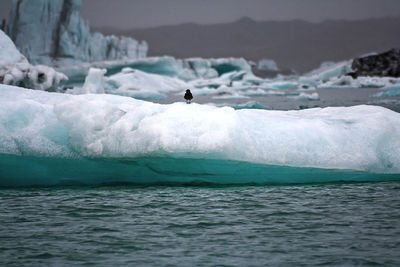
(52, 32)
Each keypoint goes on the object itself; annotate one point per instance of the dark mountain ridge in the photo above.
(296, 44)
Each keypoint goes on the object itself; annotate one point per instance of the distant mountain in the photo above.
(292, 44)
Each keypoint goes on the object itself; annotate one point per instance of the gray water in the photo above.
(294, 225)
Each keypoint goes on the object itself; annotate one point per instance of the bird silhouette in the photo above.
(188, 96)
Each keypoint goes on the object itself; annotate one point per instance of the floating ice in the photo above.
(94, 83)
(347, 82)
(35, 123)
(16, 70)
(267, 65)
(329, 70)
(141, 85)
(390, 90)
(246, 105)
(305, 96)
(184, 69)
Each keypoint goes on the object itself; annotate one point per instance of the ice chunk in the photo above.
(141, 85)
(16, 70)
(202, 68)
(281, 84)
(347, 82)
(267, 65)
(246, 105)
(392, 88)
(94, 83)
(305, 96)
(225, 65)
(35, 123)
(328, 70)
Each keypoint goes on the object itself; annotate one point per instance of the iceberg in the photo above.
(94, 83)
(142, 140)
(16, 70)
(142, 85)
(267, 65)
(51, 32)
(329, 70)
(340, 76)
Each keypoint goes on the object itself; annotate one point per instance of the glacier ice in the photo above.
(48, 30)
(94, 83)
(36, 123)
(267, 65)
(184, 69)
(156, 77)
(152, 78)
(9, 54)
(16, 70)
(142, 85)
(130, 82)
(329, 70)
(389, 90)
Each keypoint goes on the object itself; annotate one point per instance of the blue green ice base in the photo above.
(39, 171)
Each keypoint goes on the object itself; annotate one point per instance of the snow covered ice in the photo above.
(267, 64)
(35, 123)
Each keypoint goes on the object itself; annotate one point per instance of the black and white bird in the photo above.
(188, 96)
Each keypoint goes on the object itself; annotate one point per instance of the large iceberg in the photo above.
(16, 70)
(41, 124)
(48, 30)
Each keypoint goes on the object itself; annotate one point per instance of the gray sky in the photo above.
(126, 14)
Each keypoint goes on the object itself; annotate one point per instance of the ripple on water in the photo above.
(332, 224)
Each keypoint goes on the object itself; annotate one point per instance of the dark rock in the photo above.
(385, 64)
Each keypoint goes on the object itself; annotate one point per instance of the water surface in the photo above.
(296, 225)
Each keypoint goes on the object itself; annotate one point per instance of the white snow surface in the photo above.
(36, 123)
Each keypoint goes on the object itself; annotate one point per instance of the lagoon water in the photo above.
(124, 225)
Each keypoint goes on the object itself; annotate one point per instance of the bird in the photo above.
(188, 96)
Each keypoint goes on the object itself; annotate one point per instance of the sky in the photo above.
(126, 14)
